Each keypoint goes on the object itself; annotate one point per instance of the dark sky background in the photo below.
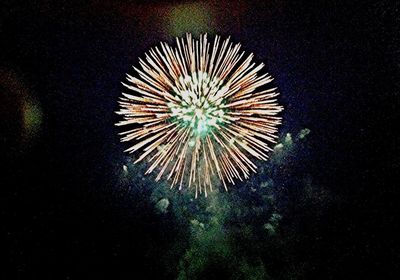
(63, 214)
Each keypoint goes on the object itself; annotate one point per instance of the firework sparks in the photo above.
(200, 118)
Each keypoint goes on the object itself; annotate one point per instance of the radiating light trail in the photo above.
(200, 113)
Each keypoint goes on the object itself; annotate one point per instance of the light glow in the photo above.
(199, 117)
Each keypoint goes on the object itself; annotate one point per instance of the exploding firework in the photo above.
(200, 118)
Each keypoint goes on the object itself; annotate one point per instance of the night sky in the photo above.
(74, 206)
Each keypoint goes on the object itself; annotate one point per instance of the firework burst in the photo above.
(200, 116)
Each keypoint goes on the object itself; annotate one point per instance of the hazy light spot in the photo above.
(266, 184)
(197, 224)
(270, 228)
(162, 205)
(125, 170)
(32, 118)
(288, 139)
(278, 147)
(303, 133)
(189, 17)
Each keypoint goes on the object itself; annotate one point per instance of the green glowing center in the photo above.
(199, 103)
